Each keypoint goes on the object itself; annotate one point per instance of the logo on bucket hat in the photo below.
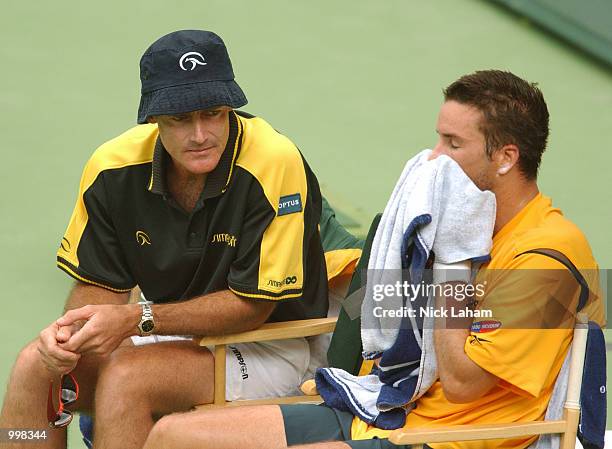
(174, 81)
(194, 57)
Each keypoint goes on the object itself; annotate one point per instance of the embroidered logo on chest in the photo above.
(228, 239)
(142, 238)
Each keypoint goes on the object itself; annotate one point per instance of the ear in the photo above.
(505, 158)
(152, 119)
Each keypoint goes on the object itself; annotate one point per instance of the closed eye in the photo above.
(450, 139)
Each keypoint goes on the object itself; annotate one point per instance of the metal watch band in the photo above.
(147, 312)
(147, 316)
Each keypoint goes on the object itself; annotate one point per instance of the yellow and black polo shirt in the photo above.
(254, 229)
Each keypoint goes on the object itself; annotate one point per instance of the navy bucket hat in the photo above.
(186, 71)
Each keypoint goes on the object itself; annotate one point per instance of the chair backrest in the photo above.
(575, 399)
(593, 400)
(345, 347)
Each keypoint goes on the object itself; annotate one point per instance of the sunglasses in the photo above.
(67, 394)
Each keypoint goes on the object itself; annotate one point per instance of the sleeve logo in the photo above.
(65, 245)
(485, 326)
(289, 204)
(286, 281)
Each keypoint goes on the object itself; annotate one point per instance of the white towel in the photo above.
(462, 219)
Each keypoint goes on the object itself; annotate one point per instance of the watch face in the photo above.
(147, 326)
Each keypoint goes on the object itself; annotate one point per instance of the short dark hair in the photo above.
(514, 112)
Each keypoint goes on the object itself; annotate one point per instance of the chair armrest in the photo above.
(309, 388)
(275, 331)
(463, 432)
(470, 432)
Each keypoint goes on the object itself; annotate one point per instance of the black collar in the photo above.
(217, 181)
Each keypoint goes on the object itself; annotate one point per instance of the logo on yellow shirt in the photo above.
(485, 326)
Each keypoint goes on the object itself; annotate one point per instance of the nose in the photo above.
(199, 130)
(437, 151)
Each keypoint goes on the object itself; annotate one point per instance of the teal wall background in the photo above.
(356, 84)
(584, 23)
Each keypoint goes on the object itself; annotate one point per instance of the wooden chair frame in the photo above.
(267, 332)
(567, 427)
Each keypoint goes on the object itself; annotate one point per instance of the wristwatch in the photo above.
(147, 323)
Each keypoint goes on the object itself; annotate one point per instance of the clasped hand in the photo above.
(94, 329)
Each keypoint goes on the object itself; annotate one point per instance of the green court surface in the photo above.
(356, 84)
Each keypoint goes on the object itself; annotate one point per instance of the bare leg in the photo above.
(228, 428)
(258, 427)
(327, 445)
(25, 402)
(140, 383)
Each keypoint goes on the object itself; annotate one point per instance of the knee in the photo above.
(29, 360)
(163, 433)
(120, 379)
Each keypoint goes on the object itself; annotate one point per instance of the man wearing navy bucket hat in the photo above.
(187, 71)
(214, 216)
